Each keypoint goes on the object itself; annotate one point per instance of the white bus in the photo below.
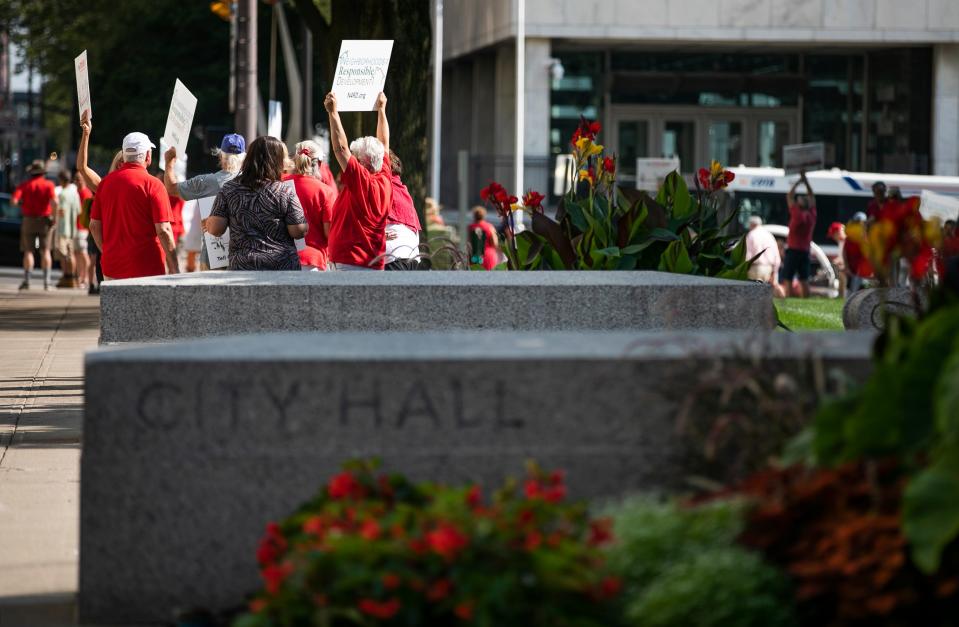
(839, 194)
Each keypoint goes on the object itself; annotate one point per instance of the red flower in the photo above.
(446, 540)
(609, 165)
(391, 581)
(532, 489)
(439, 590)
(314, 525)
(271, 546)
(554, 494)
(474, 498)
(464, 610)
(497, 196)
(586, 129)
(274, 575)
(609, 588)
(419, 546)
(526, 517)
(257, 605)
(379, 609)
(533, 541)
(370, 530)
(533, 201)
(715, 178)
(600, 532)
(343, 486)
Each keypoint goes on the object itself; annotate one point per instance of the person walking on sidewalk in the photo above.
(130, 218)
(802, 222)
(358, 235)
(37, 200)
(66, 231)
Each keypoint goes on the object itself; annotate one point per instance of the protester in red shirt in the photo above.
(358, 234)
(402, 224)
(802, 221)
(326, 175)
(130, 218)
(316, 198)
(484, 244)
(38, 203)
(878, 200)
(81, 256)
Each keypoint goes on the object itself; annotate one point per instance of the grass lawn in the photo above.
(811, 314)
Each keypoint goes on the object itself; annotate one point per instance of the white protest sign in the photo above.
(361, 73)
(809, 157)
(181, 160)
(650, 173)
(83, 85)
(180, 119)
(300, 243)
(217, 248)
(275, 124)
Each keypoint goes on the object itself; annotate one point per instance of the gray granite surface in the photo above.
(189, 449)
(227, 303)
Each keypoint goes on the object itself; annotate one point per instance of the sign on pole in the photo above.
(650, 173)
(809, 157)
(361, 73)
(217, 248)
(83, 85)
(180, 119)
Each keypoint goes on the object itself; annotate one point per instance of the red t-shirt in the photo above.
(402, 210)
(801, 225)
(316, 198)
(490, 252)
(326, 175)
(358, 234)
(34, 196)
(176, 212)
(129, 202)
(85, 195)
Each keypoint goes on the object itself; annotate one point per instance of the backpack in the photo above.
(477, 241)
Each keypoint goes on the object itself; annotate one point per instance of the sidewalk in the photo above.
(43, 336)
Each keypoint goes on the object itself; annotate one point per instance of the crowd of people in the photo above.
(788, 267)
(130, 224)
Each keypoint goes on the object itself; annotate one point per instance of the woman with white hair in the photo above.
(231, 153)
(316, 198)
(358, 233)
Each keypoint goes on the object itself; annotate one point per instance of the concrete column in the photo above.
(536, 173)
(504, 114)
(945, 110)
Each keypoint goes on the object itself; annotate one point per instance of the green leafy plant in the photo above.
(600, 227)
(376, 549)
(681, 566)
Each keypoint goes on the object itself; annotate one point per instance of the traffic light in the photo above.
(222, 9)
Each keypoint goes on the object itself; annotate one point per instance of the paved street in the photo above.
(43, 336)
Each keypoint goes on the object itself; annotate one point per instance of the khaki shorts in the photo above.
(64, 247)
(34, 229)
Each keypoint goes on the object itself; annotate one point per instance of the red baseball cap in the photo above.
(834, 228)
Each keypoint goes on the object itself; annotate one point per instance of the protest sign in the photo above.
(180, 119)
(274, 125)
(300, 243)
(217, 248)
(181, 160)
(799, 157)
(361, 73)
(650, 173)
(83, 85)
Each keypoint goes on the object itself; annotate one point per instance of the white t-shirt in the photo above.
(406, 244)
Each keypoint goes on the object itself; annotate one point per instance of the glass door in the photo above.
(678, 141)
(632, 142)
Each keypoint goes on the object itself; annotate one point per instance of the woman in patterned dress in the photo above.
(263, 215)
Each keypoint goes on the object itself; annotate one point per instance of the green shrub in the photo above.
(681, 566)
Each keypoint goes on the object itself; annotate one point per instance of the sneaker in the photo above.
(94, 290)
(25, 285)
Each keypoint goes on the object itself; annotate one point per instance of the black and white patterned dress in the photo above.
(257, 219)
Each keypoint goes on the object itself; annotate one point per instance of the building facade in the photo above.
(733, 80)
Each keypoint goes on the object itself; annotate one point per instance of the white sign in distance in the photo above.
(83, 85)
(799, 157)
(650, 173)
(180, 119)
(217, 248)
(290, 185)
(361, 73)
(274, 125)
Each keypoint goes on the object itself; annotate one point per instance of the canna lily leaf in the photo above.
(676, 259)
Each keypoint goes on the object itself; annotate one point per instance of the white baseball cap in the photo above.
(137, 144)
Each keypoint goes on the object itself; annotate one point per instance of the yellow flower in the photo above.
(932, 232)
(716, 170)
(586, 148)
(856, 232)
(587, 175)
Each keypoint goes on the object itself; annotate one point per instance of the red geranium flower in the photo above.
(271, 546)
(370, 530)
(600, 532)
(391, 581)
(609, 165)
(446, 540)
(474, 498)
(609, 588)
(343, 486)
(586, 129)
(533, 541)
(439, 590)
(464, 610)
(274, 575)
(379, 609)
